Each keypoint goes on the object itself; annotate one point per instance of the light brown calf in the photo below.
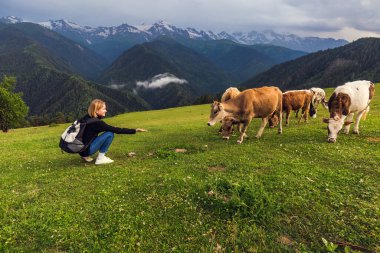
(229, 93)
(252, 103)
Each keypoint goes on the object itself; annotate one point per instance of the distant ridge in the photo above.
(112, 41)
(357, 60)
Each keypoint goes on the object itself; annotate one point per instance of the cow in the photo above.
(348, 99)
(295, 100)
(252, 103)
(319, 97)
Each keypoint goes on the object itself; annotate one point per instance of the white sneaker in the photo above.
(103, 160)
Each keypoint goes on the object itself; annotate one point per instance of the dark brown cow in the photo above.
(295, 100)
(252, 103)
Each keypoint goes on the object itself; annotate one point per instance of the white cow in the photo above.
(348, 99)
(319, 97)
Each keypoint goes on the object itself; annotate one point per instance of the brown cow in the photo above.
(295, 100)
(252, 103)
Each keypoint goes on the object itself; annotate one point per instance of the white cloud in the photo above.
(159, 81)
(117, 86)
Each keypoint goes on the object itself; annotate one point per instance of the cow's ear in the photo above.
(371, 90)
(346, 102)
(347, 123)
(325, 120)
(329, 103)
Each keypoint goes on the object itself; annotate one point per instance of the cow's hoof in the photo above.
(239, 141)
(346, 132)
(356, 131)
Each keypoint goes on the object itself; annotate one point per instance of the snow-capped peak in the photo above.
(11, 20)
(146, 32)
(164, 24)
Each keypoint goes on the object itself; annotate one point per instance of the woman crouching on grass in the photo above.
(101, 143)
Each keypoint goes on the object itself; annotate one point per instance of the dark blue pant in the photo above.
(101, 143)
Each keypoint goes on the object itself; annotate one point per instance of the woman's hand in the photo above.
(141, 130)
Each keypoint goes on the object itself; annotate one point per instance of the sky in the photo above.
(340, 19)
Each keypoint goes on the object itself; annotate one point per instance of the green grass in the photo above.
(280, 193)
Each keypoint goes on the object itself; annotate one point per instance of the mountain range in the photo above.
(110, 42)
(207, 67)
(61, 73)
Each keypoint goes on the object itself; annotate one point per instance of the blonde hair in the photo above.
(95, 105)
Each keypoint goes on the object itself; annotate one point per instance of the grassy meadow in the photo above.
(293, 192)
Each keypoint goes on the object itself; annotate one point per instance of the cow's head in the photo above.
(313, 110)
(339, 107)
(334, 126)
(217, 113)
(325, 103)
(228, 123)
(273, 121)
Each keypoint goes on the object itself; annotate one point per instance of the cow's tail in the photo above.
(366, 110)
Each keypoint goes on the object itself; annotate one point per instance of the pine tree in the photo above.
(12, 108)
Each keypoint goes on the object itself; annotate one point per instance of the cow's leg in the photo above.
(302, 115)
(287, 117)
(346, 129)
(306, 112)
(240, 127)
(316, 103)
(261, 129)
(305, 115)
(357, 120)
(297, 113)
(243, 130)
(279, 115)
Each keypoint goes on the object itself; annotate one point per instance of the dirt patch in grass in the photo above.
(216, 168)
(285, 240)
(373, 139)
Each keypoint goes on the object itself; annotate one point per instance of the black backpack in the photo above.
(72, 138)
